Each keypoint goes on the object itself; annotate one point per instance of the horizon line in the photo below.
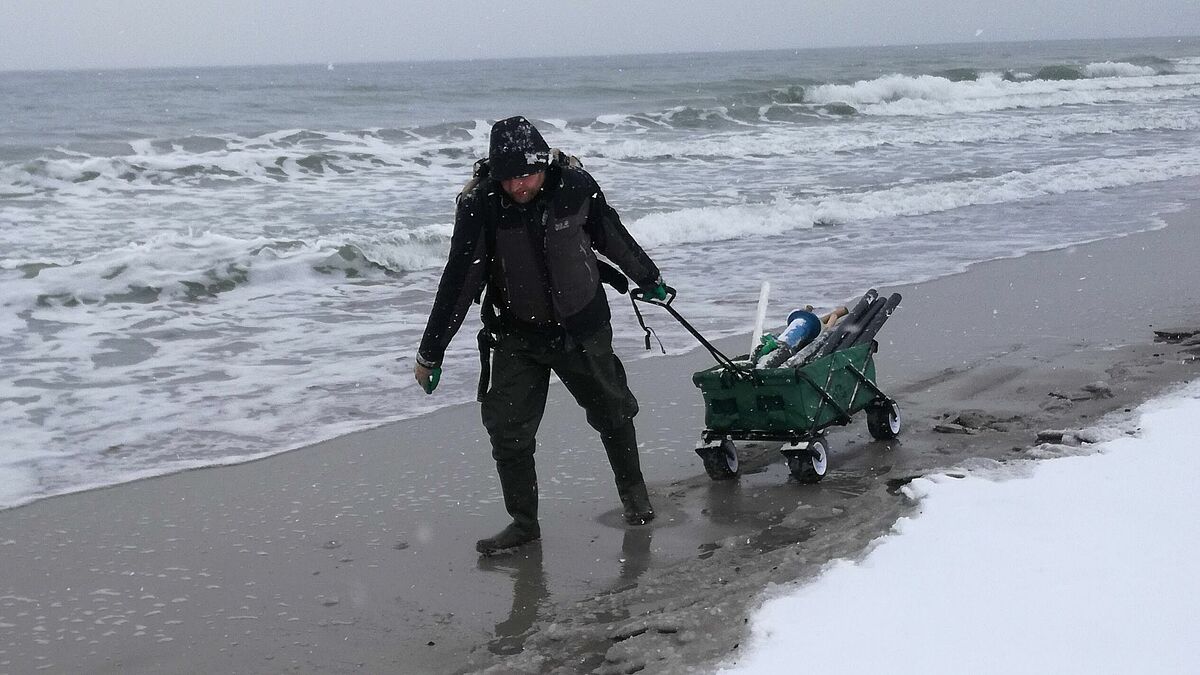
(424, 61)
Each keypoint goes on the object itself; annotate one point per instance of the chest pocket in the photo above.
(571, 262)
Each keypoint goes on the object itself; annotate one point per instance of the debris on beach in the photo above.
(972, 422)
(1187, 336)
(1098, 390)
(952, 428)
(1087, 392)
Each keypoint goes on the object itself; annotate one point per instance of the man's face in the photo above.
(523, 189)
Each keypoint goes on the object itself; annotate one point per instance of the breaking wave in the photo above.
(707, 224)
(1110, 69)
(195, 267)
(149, 164)
(307, 154)
(933, 95)
(174, 267)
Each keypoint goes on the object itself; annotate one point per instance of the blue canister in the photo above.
(803, 328)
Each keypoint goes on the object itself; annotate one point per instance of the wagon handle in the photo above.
(639, 295)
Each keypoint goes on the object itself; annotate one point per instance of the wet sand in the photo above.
(356, 554)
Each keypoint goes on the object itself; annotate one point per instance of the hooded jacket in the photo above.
(539, 259)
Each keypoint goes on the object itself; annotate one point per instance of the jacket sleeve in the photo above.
(613, 241)
(462, 280)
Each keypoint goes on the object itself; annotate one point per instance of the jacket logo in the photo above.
(561, 225)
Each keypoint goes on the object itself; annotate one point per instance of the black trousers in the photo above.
(512, 408)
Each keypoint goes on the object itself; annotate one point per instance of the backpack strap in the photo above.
(479, 172)
(570, 161)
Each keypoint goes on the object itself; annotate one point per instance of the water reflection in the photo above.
(635, 553)
(530, 590)
(724, 503)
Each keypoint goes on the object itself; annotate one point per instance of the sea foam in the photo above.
(708, 224)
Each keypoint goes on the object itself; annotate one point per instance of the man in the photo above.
(528, 228)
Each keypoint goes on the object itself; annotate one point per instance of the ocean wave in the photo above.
(932, 95)
(277, 156)
(954, 91)
(950, 85)
(686, 117)
(959, 74)
(1059, 72)
(1111, 69)
(789, 94)
(285, 155)
(785, 141)
(198, 267)
(191, 267)
(1190, 64)
(709, 224)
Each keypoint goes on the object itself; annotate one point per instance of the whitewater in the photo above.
(206, 266)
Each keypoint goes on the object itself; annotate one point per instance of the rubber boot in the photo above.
(621, 447)
(519, 484)
(636, 500)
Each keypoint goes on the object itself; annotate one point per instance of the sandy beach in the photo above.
(305, 563)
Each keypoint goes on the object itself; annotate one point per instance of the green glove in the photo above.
(432, 383)
(427, 374)
(767, 344)
(660, 292)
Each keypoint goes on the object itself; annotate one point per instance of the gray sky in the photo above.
(37, 34)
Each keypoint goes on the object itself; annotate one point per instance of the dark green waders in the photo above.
(512, 410)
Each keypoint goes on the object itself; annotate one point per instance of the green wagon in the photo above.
(793, 406)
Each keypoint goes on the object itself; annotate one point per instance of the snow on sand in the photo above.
(1087, 566)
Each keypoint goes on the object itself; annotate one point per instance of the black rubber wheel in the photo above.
(810, 465)
(883, 420)
(720, 461)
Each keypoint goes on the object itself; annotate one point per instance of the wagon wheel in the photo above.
(883, 420)
(809, 461)
(720, 460)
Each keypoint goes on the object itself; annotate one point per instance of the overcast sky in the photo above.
(38, 34)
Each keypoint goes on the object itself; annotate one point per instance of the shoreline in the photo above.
(629, 359)
(356, 552)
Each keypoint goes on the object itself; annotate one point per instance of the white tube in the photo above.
(761, 316)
